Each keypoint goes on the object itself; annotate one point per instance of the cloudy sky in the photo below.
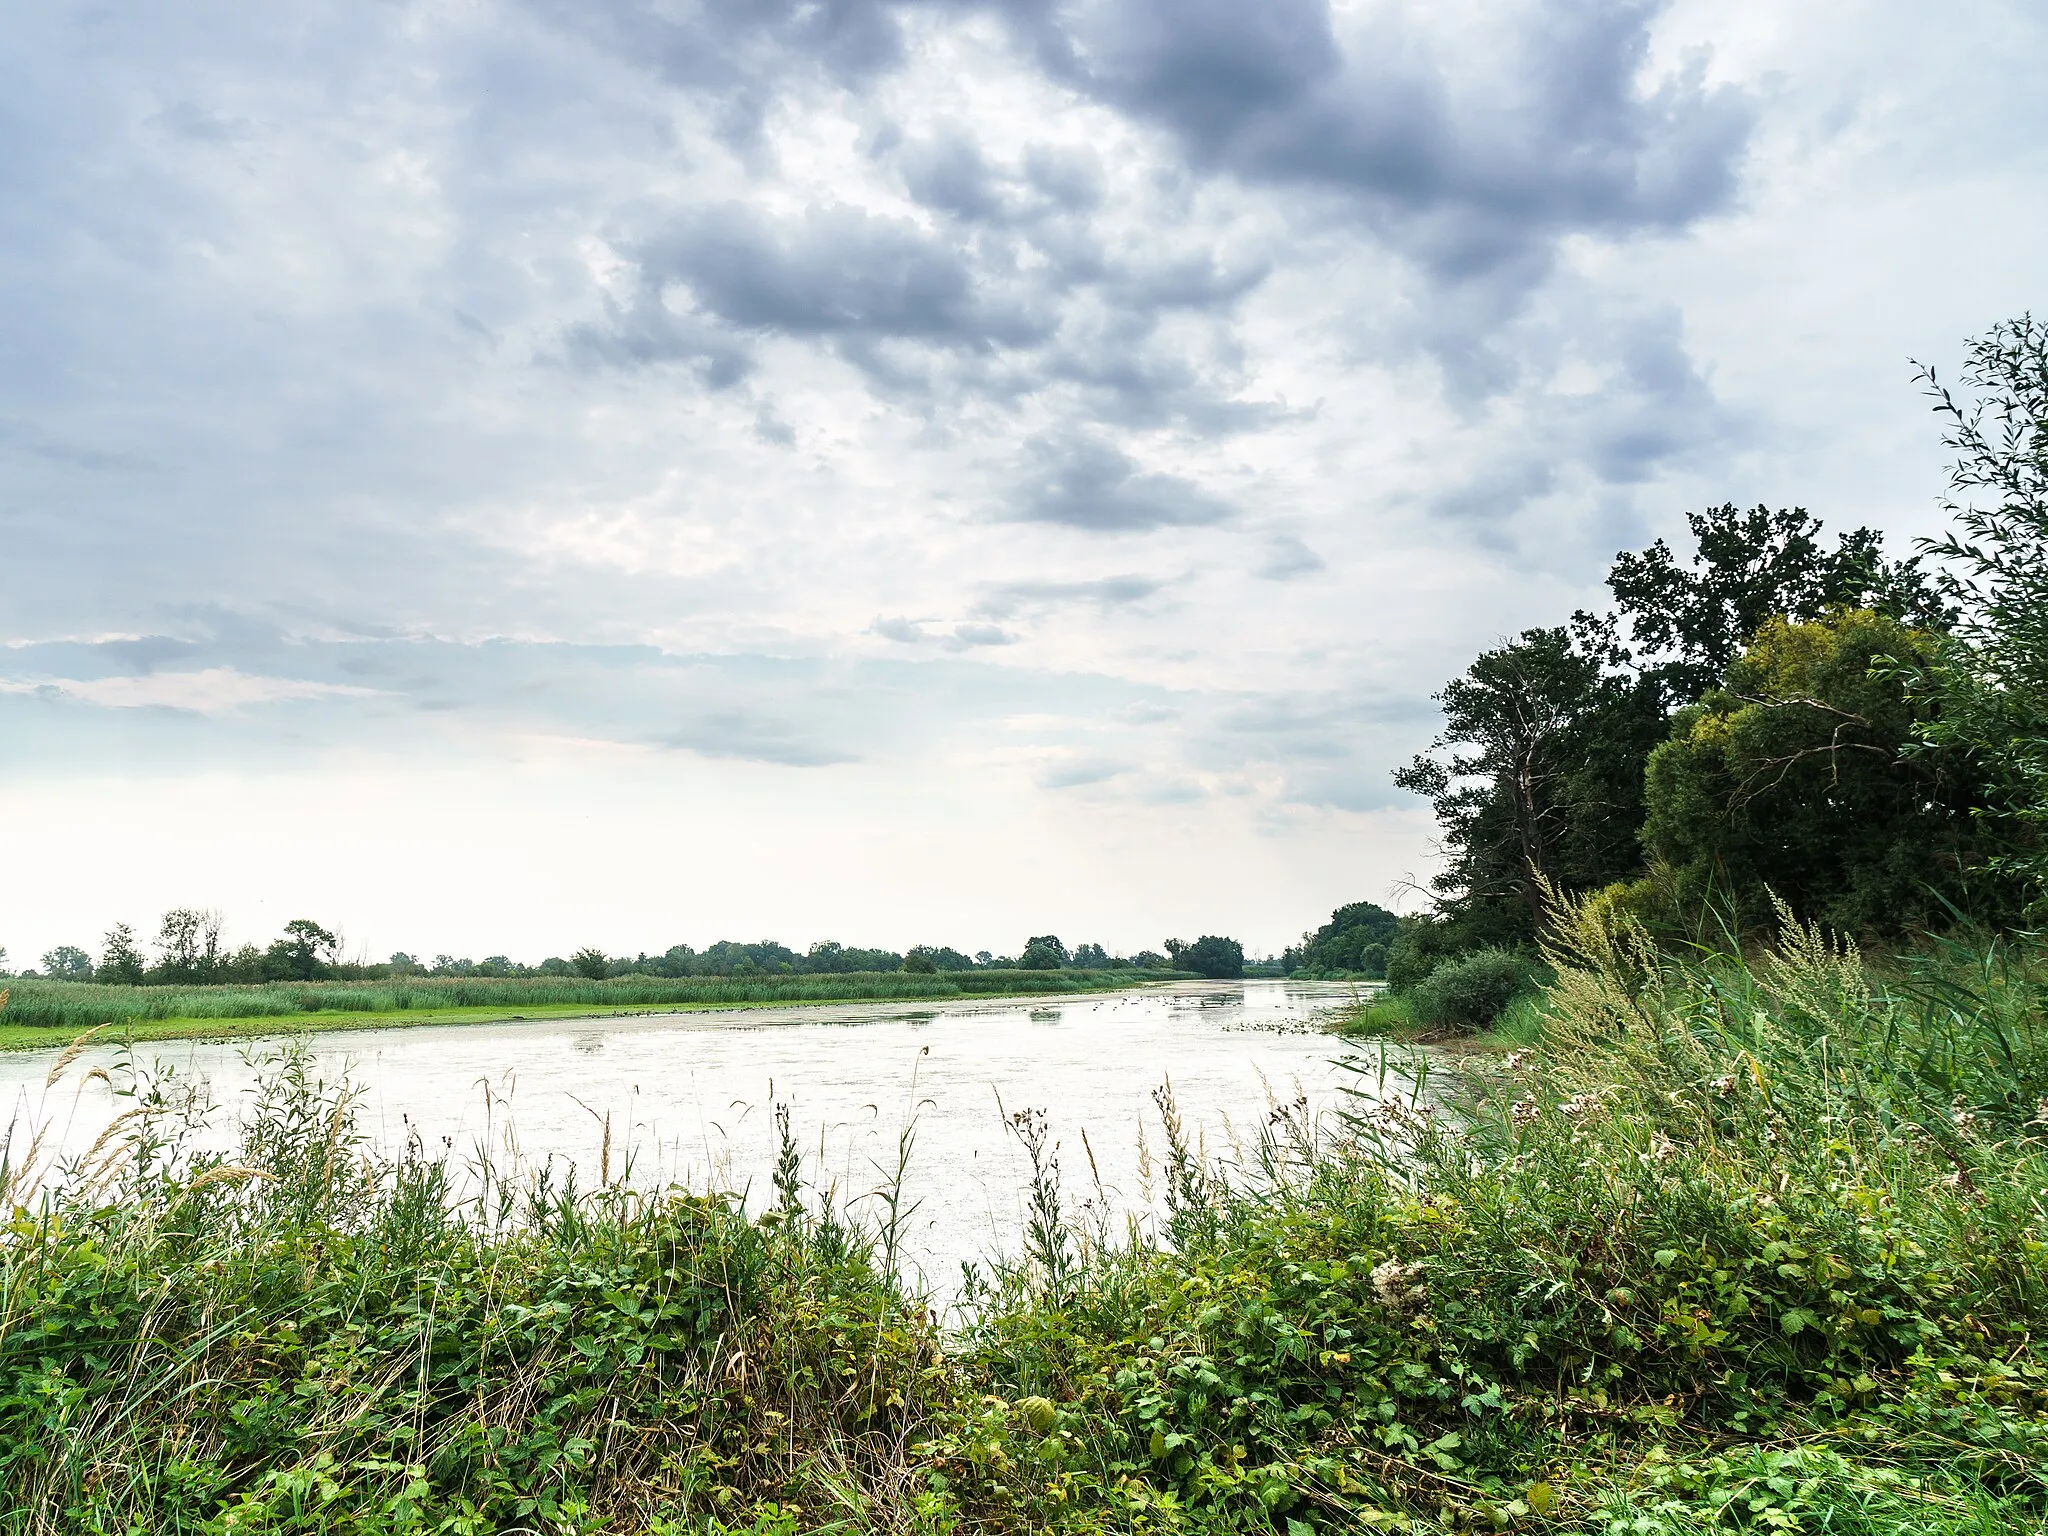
(500, 475)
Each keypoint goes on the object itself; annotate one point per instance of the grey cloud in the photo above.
(1089, 483)
(1471, 171)
(1004, 599)
(755, 738)
(902, 631)
(738, 52)
(1071, 177)
(838, 273)
(1076, 773)
(1287, 557)
(186, 120)
(948, 173)
(966, 636)
(980, 635)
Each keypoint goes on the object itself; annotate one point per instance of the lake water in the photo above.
(690, 1096)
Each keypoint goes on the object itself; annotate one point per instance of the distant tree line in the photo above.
(189, 951)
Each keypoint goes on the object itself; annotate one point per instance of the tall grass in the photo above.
(58, 1005)
(1740, 1245)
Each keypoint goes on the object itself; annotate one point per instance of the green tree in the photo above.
(1044, 952)
(1688, 623)
(188, 946)
(1789, 780)
(591, 963)
(67, 962)
(1215, 957)
(1354, 939)
(1991, 674)
(120, 961)
(307, 952)
(1537, 776)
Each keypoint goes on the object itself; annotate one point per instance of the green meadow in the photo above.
(42, 1014)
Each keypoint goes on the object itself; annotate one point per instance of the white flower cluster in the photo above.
(1524, 1111)
(1399, 1286)
(1578, 1104)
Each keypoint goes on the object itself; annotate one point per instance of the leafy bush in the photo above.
(1470, 992)
(1423, 943)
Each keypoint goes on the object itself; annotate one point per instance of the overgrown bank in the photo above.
(39, 1013)
(1741, 1247)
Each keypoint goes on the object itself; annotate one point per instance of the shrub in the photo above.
(1469, 992)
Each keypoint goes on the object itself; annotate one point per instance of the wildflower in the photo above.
(1952, 1180)
(1577, 1105)
(1516, 1058)
(1398, 1286)
(1661, 1148)
(1724, 1085)
(1963, 1116)
(2041, 1113)
(1524, 1112)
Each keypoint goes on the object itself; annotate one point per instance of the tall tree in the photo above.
(1688, 623)
(188, 945)
(120, 961)
(306, 952)
(1537, 775)
(1991, 676)
(67, 962)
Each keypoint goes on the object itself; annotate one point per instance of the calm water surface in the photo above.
(690, 1097)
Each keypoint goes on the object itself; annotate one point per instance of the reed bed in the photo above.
(73, 1006)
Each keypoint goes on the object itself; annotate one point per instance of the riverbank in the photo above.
(47, 1015)
(1737, 1247)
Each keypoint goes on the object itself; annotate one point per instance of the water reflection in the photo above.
(689, 1097)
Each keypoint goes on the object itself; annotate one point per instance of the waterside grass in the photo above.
(1740, 1246)
(42, 1014)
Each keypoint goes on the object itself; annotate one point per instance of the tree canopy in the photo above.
(1990, 675)
(1538, 776)
(1354, 940)
(1790, 780)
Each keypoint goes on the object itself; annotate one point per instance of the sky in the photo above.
(496, 476)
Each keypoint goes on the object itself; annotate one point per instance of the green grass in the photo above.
(40, 1014)
(1736, 1247)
